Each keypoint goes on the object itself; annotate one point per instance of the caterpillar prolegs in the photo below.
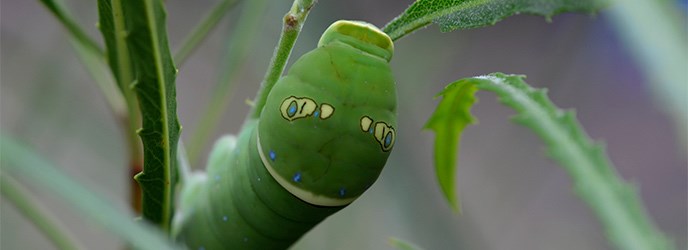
(322, 139)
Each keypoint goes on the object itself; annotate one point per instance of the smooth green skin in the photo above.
(259, 213)
(239, 205)
(333, 153)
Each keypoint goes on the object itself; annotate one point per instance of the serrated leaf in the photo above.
(614, 201)
(154, 75)
(448, 121)
(465, 14)
(26, 165)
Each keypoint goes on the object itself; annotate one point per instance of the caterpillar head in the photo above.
(329, 124)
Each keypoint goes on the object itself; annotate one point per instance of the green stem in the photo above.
(61, 14)
(293, 22)
(238, 49)
(97, 69)
(200, 32)
(125, 78)
(31, 209)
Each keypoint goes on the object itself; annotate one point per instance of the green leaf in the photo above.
(465, 14)
(35, 212)
(614, 201)
(112, 26)
(402, 245)
(155, 87)
(22, 163)
(448, 121)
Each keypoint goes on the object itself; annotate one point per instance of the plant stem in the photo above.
(132, 121)
(74, 29)
(200, 32)
(238, 49)
(98, 71)
(31, 209)
(292, 24)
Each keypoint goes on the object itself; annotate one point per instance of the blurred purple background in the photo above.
(513, 197)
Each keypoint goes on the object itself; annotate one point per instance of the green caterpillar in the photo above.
(322, 139)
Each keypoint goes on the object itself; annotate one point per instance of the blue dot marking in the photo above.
(388, 139)
(201, 248)
(217, 177)
(224, 218)
(272, 155)
(342, 192)
(297, 177)
(292, 109)
(316, 113)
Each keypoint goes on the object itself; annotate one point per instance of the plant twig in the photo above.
(292, 24)
(200, 32)
(61, 14)
(238, 49)
(31, 209)
(112, 26)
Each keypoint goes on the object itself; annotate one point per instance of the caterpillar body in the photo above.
(322, 139)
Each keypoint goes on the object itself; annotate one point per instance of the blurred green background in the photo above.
(512, 196)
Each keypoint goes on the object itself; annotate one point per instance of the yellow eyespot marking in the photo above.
(382, 132)
(326, 111)
(385, 135)
(365, 123)
(294, 108)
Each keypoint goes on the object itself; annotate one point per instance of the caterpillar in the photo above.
(322, 139)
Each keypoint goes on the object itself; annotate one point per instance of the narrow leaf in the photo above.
(465, 14)
(448, 121)
(155, 87)
(200, 32)
(240, 44)
(402, 244)
(655, 33)
(24, 164)
(74, 30)
(35, 212)
(596, 182)
(112, 26)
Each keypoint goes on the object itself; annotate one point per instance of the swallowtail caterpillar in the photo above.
(322, 139)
